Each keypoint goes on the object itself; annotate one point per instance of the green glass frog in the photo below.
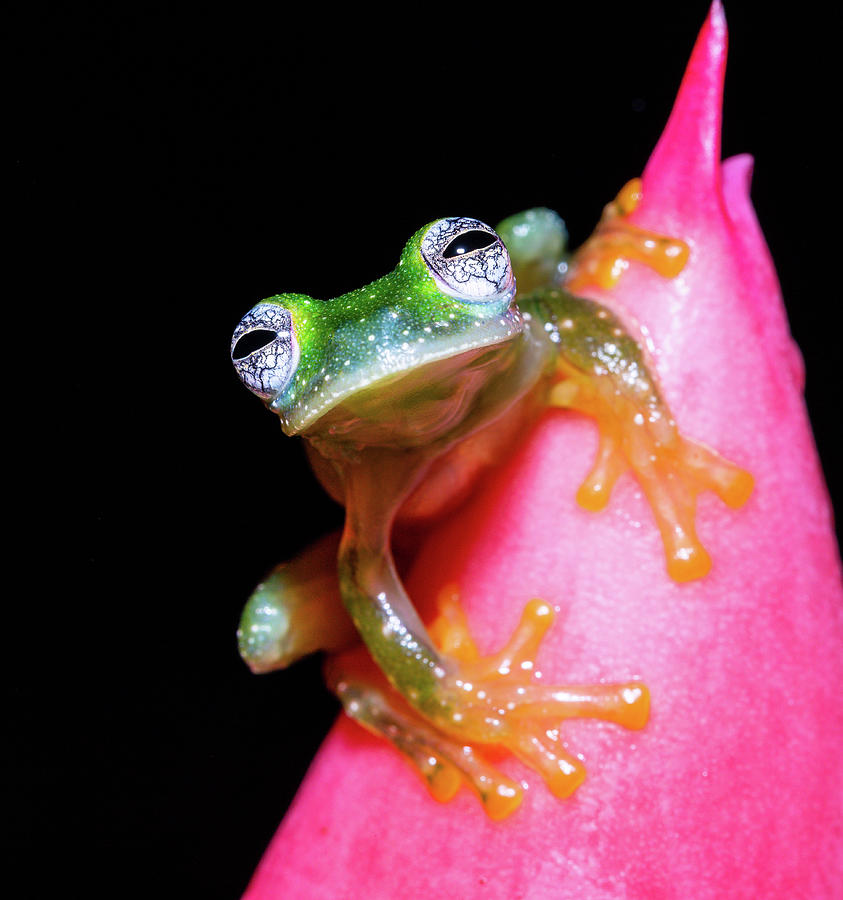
(406, 391)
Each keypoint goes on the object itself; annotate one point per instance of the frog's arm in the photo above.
(439, 675)
(454, 700)
(370, 587)
(431, 694)
(599, 369)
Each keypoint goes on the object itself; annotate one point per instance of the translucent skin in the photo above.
(734, 789)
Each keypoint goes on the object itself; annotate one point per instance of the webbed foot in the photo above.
(604, 257)
(636, 432)
(491, 702)
(443, 763)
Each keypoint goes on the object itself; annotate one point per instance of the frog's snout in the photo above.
(264, 349)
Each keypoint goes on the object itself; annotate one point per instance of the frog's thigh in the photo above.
(295, 611)
(602, 372)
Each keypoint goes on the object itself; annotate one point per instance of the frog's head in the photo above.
(321, 364)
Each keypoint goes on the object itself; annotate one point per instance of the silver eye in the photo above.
(264, 349)
(468, 260)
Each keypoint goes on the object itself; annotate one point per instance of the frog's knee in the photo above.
(295, 611)
(534, 234)
(265, 637)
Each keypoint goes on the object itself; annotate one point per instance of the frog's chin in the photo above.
(410, 394)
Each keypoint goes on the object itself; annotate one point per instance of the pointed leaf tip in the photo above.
(683, 172)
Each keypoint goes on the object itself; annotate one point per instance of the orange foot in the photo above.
(605, 256)
(505, 683)
(671, 469)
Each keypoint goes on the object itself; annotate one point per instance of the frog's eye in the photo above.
(264, 349)
(468, 260)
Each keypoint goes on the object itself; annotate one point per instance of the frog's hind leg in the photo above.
(601, 371)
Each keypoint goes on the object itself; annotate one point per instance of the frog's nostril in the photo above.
(252, 341)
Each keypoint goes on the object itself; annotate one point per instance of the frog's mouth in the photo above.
(398, 392)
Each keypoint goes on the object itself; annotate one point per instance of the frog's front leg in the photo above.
(601, 371)
(460, 701)
(522, 716)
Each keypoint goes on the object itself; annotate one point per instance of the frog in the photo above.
(408, 392)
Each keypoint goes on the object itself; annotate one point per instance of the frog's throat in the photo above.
(340, 378)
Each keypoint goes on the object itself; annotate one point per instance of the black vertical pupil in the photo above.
(468, 241)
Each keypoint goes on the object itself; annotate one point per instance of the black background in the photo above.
(174, 168)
